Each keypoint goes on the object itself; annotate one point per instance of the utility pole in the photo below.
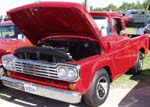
(87, 5)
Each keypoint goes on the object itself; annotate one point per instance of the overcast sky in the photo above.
(9, 4)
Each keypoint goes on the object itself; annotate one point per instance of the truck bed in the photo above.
(133, 35)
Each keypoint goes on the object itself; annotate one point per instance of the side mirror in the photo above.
(20, 37)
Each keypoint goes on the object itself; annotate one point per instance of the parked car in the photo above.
(74, 56)
(139, 16)
(148, 19)
(11, 38)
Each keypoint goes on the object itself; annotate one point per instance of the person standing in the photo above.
(140, 30)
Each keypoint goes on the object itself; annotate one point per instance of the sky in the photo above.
(6, 5)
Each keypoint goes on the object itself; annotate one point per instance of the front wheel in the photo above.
(99, 89)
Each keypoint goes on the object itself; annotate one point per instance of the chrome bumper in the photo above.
(45, 91)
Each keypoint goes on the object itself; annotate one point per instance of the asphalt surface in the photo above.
(137, 95)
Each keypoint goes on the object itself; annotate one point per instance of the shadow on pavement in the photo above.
(139, 96)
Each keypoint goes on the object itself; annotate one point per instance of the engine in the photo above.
(48, 54)
(58, 51)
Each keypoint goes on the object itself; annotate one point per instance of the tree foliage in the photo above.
(146, 5)
(125, 6)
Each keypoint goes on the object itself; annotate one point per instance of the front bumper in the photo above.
(45, 91)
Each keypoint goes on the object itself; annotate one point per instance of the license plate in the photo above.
(30, 88)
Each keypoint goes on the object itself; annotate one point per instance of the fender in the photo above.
(89, 70)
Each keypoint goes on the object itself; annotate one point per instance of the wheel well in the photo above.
(109, 72)
(142, 50)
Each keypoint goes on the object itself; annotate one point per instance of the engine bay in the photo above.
(57, 51)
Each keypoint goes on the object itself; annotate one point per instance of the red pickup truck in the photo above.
(76, 54)
(11, 38)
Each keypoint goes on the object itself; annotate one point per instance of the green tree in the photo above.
(112, 7)
(146, 5)
(98, 9)
(138, 5)
(126, 6)
(91, 8)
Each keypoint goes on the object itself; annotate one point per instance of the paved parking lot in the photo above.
(137, 95)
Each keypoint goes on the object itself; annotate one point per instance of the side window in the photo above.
(103, 25)
(117, 25)
(7, 31)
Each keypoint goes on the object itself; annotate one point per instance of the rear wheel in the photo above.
(99, 89)
(139, 65)
(1, 74)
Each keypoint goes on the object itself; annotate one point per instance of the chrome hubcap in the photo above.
(141, 61)
(102, 87)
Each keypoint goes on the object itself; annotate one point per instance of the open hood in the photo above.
(46, 19)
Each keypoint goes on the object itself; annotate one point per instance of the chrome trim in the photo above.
(39, 68)
(35, 68)
(45, 91)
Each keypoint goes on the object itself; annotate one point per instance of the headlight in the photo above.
(72, 74)
(62, 72)
(8, 62)
(67, 73)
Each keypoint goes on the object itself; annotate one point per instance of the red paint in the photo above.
(119, 54)
(60, 18)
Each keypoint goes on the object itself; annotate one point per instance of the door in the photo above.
(120, 47)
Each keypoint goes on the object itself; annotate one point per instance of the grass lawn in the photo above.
(131, 30)
(128, 80)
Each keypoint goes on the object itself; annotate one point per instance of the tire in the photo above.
(99, 89)
(1, 74)
(137, 69)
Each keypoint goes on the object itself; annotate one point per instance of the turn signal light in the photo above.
(8, 73)
(72, 86)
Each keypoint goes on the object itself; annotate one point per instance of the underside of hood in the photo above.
(45, 19)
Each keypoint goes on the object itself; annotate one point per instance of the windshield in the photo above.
(10, 31)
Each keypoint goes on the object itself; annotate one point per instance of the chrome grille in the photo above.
(36, 68)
